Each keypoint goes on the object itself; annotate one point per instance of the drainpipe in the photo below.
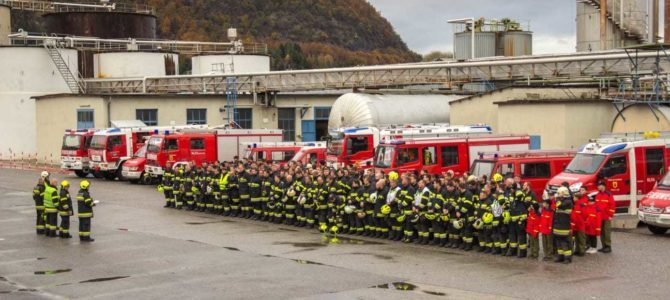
(603, 24)
(109, 111)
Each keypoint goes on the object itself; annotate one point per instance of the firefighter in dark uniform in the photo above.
(396, 217)
(561, 225)
(300, 190)
(485, 236)
(406, 203)
(255, 193)
(51, 208)
(276, 197)
(234, 192)
(224, 189)
(38, 197)
(422, 197)
(309, 201)
(499, 241)
(266, 189)
(465, 212)
(381, 209)
(370, 229)
(189, 187)
(322, 202)
(433, 215)
(243, 178)
(517, 226)
(216, 192)
(166, 185)
(65, 209)
(85, 211)
(177, 188)
(451, 205)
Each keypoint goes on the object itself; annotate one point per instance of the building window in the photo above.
(243, 118)
(148, 116)
(85, 119)
(196, 116)
(287, 123)
(321, 113)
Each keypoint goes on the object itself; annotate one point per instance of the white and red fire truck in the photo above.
(655, 207)
(356, 145)
(281, 152)
(198, 146)
(438, 155)
(74, 151)
(312, 154)
(629, 163)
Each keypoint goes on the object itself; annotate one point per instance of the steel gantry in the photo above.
(592, 67)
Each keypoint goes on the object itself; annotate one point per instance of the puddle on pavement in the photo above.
(231, 248)
(209, 222)
(380, 256)
(307, 262)
(435, 293)
(347, 240)
(3, 279)
(400, 286)
(301, 245)
(27, 290)
(5, 292)
(287, 229)
(52, 272)
(123, 229)
(104, 279)
(41, 258)
(268, 255)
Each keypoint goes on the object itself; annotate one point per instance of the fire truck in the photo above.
(282, 152)
(655, 207)
(311, 154)
(629, 163)
(198, 146)
(356, 145)
(74, 151)
(133, 169)
(536, 167)
(438, 155)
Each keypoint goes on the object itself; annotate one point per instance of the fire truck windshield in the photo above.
(482, 167)
(335, 144)
(142, 152)
(584, 163)
(71, 142)
(98, 142)
(154, 145)
(384, 156)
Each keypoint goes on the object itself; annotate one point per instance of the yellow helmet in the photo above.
(506, 217)
(501, 197)
(64, 183)
(84, 184)
(393, 175)
(497, 177)
(401, 218)
(487, 218)
(519, 194)
(334, 229)
(160, 188)
(386, 209)
(323, 227)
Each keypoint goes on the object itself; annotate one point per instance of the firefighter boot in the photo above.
(560, 258)
(450, 241)
(488, 250)
(511, 251)
(496, 251)
(482, 248)
(568, 259)
(522, 253)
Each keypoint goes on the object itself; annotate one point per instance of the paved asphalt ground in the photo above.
(143, 251)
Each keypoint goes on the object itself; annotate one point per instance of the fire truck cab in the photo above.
(311, 154)
(133, 169)
(111, 147)
(356, 145)
(630, 164)
(438, 155)
(655, 207)
(74, 151)
(536, 167)
(281, 152)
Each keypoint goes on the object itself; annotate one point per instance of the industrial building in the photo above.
(477, 38)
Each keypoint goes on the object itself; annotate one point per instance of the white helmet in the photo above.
(45, 174)
(349, 209)
(562, 192)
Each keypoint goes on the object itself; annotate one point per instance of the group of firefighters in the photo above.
(501, 216)
(53, 200)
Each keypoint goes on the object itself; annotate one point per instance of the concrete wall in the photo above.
(56, 115)
(586, 121)
(640, 118)
(5, 24)
(171, 110)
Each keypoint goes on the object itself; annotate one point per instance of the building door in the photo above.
(85, 119)
(308, 130)
(321, 115)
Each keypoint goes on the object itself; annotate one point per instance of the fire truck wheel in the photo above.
(81, 174)
(657, 230)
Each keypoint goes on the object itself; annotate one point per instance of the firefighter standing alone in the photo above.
(84, 211)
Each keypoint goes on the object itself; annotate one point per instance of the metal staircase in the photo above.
(614, 15)
(73, 82)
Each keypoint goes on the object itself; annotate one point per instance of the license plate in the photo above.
(650, 218)
(95, 158)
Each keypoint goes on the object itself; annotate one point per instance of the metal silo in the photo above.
(106, 25)
(517, 43)
(485, 44)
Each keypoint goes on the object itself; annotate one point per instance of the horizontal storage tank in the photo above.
(359, 109)
(5, 24)
(516, 43)
(640, 118)
(229, 64)
(135, 64)
(485, 44)
(106, 25)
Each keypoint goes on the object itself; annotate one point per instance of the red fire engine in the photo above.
(202, 146)
(655, 207)
(311, 154)
(438, 155)
(282, 152)
(630, 164)
(74, 151)
(133, 169)
(356, 145)
(534, 166)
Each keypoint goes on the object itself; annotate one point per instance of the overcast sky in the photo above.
(422, 24)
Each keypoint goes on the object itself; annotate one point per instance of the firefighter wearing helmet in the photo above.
(561, 225)
(381, 209)
(51, 203)
(38, 197)
(85, 211)
(65, 209)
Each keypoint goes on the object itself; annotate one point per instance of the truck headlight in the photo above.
(575, 187)
(133, 169)
(667, 210)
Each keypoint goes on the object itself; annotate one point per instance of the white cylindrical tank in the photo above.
(5, 24)
(229, 64)
(641, 118)
(358, 109)
(135, 64)
(27, 72)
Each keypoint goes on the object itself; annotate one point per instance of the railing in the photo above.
(79, 6)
